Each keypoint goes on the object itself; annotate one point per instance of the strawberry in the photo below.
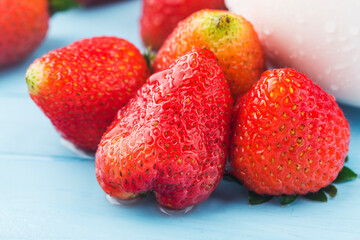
(289, 136)
(229, 36)
(172, 137)
(20, 33)
(81, 87)
(160, 17)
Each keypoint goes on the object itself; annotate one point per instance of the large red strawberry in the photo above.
(289, 137)
(23, 26)
(232, 39)
(81, 87)
(172, 137)
(160, 17)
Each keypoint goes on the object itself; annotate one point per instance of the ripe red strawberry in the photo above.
(172, 137)
(290, 136)
(23, 26)
(232, 39)
(160, 17)
(81, 87)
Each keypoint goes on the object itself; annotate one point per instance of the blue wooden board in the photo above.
(49, 192)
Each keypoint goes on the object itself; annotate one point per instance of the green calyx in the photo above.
(346, 174)
(149, 57)
(319, 196)
(61, 5)
(221, 26)
(34, 76)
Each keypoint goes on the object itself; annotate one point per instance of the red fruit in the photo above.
(160, 17)
(82, 86)
(172, 137)
(232, 39)
(290, 136)
(23, 26)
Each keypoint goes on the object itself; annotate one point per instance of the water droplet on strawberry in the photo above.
(175, 212)
(116, 201)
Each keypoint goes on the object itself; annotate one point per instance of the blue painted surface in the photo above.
(48, 192)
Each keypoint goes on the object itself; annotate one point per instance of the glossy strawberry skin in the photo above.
(21, 34)
(82, 86)
(289, 136)
(232, 39)
(172, 137)
(160, 17)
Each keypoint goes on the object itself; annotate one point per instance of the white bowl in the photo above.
(320, 38)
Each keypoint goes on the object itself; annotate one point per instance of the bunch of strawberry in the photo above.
(171, 132)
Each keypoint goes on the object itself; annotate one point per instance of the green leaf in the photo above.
(149, 57)
(61, 5)
(255, 198)
(287, 199)
(346, 158)
(318, 196)
(331, 190)
(230, 178)
(346, 174)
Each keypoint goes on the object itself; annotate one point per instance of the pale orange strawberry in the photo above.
(232, 39)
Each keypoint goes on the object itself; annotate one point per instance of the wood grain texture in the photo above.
(48, 192)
